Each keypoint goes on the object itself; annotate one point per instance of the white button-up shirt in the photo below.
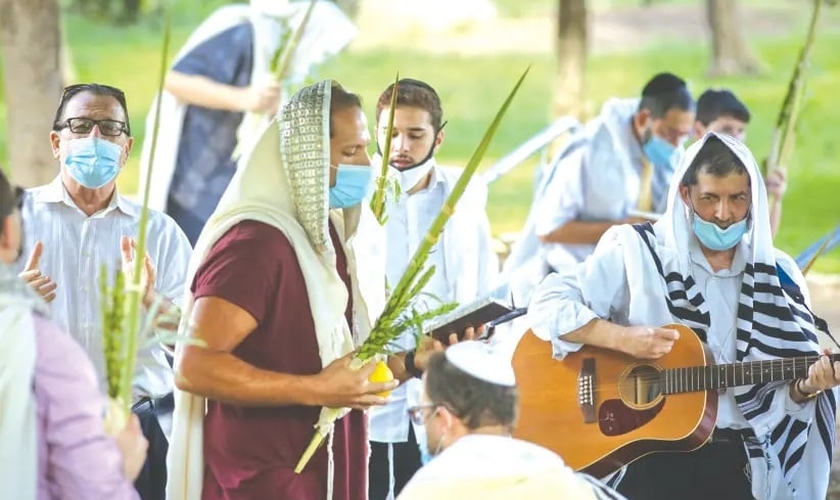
(77, 247)
(409, 218)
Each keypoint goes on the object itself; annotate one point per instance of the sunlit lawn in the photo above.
(473, 88)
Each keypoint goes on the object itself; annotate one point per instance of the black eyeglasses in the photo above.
(83, 126)
(416, 413)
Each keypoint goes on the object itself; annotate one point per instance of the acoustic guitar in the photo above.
(600, 409)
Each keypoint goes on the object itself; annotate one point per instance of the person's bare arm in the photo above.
(583, 233)
(638, 341)
(202, 91)
(212, 371)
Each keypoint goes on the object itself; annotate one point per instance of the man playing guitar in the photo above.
(709, 264)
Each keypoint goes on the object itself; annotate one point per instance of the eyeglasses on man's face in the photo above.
(419, 413)
(84, 126)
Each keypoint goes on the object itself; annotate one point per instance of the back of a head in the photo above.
(714, 158)
(341, 99)
(713, 104)
(664, 92)
(416, 94)
(473, 385)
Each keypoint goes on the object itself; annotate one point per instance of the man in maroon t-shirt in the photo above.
(257, 310)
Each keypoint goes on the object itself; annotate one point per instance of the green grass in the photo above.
(472, 89)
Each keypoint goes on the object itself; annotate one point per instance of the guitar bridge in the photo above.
(586, 390)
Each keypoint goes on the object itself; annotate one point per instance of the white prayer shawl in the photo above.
(482, 466)
(18, 438)
(280, 184)
(327, 33)
(791, 455)
(602, 143)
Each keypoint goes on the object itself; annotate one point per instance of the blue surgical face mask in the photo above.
(93, 162)
(352, 184)
(659, 151)
(714, 238)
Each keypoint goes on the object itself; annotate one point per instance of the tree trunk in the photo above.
(30, 37)
(731, 55)
(569, 87)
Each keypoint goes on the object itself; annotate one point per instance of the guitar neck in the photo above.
(704, 378)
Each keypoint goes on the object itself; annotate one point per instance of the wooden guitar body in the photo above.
(600, 409)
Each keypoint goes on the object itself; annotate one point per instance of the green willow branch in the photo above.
(377, 203)
(284, 60)
(784, 135)
(393, 319)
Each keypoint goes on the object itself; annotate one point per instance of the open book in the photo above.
(488, 311)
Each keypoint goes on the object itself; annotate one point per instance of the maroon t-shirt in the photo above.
(250, 453)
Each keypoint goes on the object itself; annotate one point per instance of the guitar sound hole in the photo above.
(640, 386)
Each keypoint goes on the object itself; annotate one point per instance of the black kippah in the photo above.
(663, 83)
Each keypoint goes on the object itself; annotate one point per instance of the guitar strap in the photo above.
(792, 289)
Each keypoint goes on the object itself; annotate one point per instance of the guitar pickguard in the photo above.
(616, 418)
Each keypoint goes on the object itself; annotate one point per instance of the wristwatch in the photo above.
(806, 395)
(410, 367)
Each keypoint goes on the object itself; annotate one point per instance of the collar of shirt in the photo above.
(739, 262)
(55, 192)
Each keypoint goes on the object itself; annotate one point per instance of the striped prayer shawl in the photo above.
(772, 322)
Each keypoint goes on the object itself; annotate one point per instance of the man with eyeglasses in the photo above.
(80, 224)
(469, 406)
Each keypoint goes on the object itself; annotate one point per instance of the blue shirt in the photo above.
(204, 166)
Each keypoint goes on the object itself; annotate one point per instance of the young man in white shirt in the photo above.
(465, 264)
(79, 224)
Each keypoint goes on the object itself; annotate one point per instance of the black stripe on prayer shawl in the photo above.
(827, 412)
(678, 288)
(762, 299)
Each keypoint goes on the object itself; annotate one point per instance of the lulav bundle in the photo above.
(398, 313)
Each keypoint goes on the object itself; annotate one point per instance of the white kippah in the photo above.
(479, 360)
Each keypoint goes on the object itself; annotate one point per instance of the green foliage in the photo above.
(122, 57)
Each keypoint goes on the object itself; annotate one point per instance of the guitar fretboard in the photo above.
(703, 378)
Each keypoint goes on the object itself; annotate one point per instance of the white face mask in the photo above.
(412, 176)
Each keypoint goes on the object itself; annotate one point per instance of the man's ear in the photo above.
(685, 193)
(699, 130)
(55, 141)
(439, 140)
(642, 119)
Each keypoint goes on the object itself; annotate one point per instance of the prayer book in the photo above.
(488, 311)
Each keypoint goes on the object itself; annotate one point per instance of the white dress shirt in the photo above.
(409, 218)
(77, 247)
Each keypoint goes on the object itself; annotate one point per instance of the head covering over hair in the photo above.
(284, 182)
(478, 360)
(793, 449)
